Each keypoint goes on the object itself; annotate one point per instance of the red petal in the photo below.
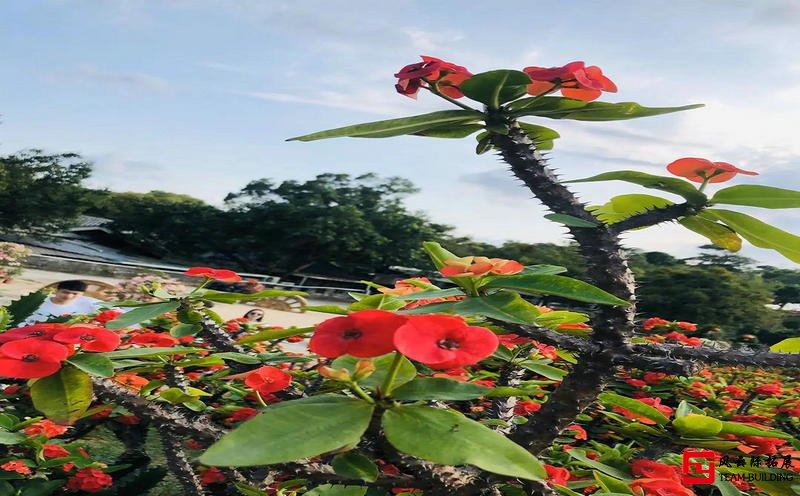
(27, 370)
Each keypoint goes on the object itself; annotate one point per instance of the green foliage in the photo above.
(759, 233)
(494, 88)
(353, 465)
(93, 363)
(566, 108)
(505, 306)
(663, 183)
(754, 195)
(633, 405)
(564, 287)
(405, 372)
(623, 206)
(141, 314)
(64, 396)
(292, 430)
(39, 193)
(395, 127)
(433, 388)
(23, 307)
(446, 437)
(719, 234)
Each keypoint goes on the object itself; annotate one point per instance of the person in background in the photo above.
(67, 300)
(254, 315)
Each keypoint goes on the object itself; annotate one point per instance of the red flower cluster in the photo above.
(16, 466)
(446, 76)
(218, 274)
(478, 266)
(38, 350)
(268, 379)
(89, 480)
(660, 487)
(575, 80)
(700, 169)
(439, 341)
(405, 287)
(155, 339)
(45, 427)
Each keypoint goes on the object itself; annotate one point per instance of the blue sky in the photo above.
(198, 96)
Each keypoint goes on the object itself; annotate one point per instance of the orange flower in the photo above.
(660, 487)
(131, 381)
(478, 266)
(700, 169)
(574, 79)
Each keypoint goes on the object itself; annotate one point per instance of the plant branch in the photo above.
(653, 217)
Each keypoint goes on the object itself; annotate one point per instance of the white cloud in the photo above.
(124, 81)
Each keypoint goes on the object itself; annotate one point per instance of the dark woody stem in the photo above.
(609, 269)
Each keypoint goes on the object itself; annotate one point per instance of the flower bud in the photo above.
(341, 375)
(364, 369)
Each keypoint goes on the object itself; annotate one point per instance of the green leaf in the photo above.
(337, 490)
(10, 437)
(23, 307)
(552, 373)
(789, 345)
(623, 206)
(40, 487)
(141, 352)
(8, 421)
(663, 183)
(554, 107)
(685, 408)
(396, 127)
(727, 488)
(175, 396)
(495, 88)
(181, 330)
(699, 426)
(227, 297)
(405, 372)
(140, 314)
(634, 406)
(611, 484)
(439, 388)
(753, 195)
(377, 301)
(335, 309)
(580, 455)
(505, 306)
(237, 357)
(248, 490)
(569, 220)
(352, 465)
(64, 396)
(446, 437)
(273, 334)
(542, 137)
(93, 363)
(451, 131)
(542, 269)
(759, 233)
(565, 287)
(558, 317)
(747, 430)
(438, 255)
(719, 234)
(294, 430)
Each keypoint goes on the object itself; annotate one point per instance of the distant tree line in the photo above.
(340, 225)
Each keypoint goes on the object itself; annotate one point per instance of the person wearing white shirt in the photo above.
(67, 300)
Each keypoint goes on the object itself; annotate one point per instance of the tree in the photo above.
(160, 223)
(40, 193)
(707, 295)
(357, 225)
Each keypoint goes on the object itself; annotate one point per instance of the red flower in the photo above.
(478, 266)
(218, 274)
(16, 466)
(759, 445)
(131, 381)
(655, 470)
(46, 427)
(39, 331)
(557, 475)
(526, 407)
(211, 475)
(157, 339)
(30, 358)
(575, 81)
(660, 487)
(654, 402)
(89, 480)
(773, 389)
(364, 334)
(89, 338)
(687, 326)
(653, 378)
(448, 77)
(511, 340)
(580, 432)
(699, 169)
(444, 341)
(636, 382)
(242, 414)
(650, 324)
(53, 451)
(106, 316)
(268, 379)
